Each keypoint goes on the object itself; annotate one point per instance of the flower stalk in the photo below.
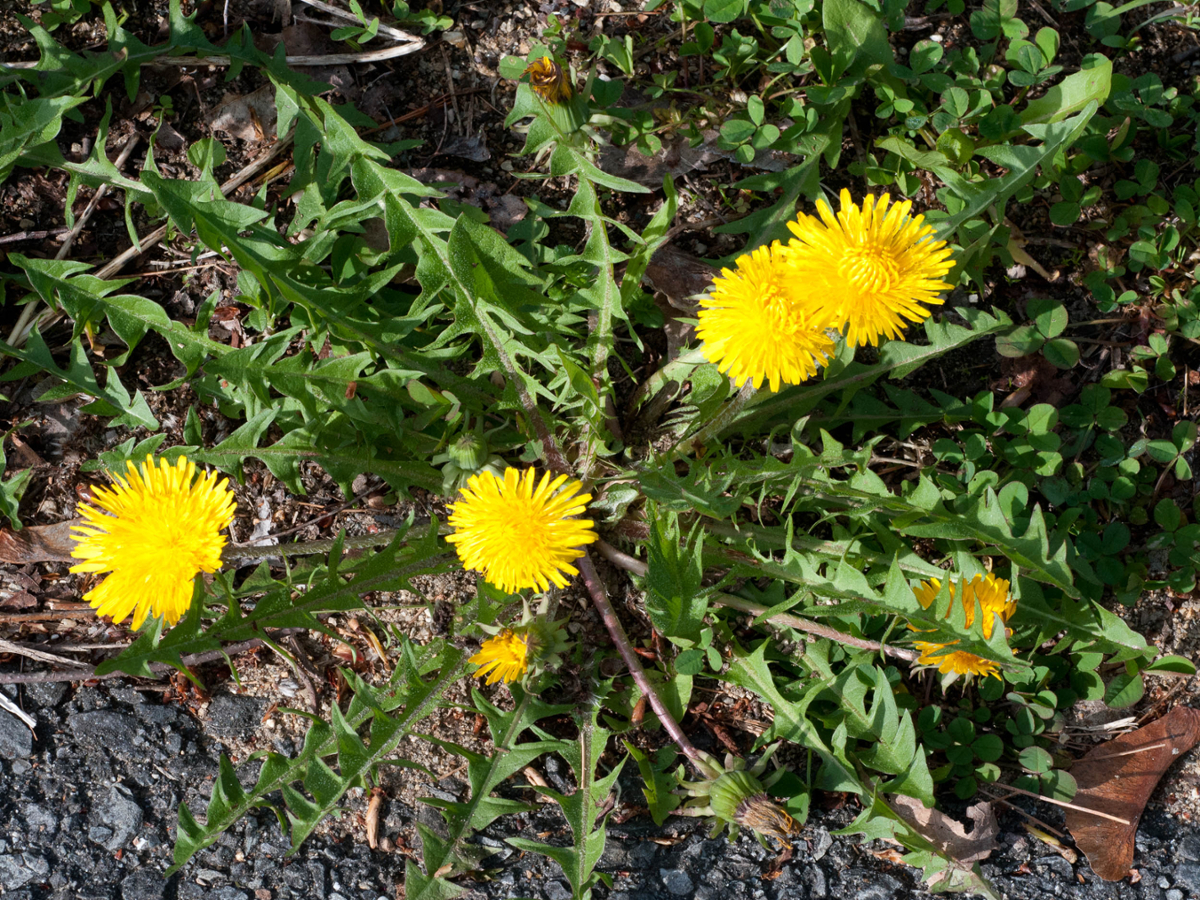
(639, 568)
(616, 631)
(745, 397)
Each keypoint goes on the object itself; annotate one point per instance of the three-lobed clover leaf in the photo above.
(1049, 320)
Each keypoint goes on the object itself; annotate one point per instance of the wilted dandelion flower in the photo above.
(992, 594)
(504, 657)
(734, 797)
(875, 267)
(518, 535)
(162, 528)
(549, 80)
(756, 327)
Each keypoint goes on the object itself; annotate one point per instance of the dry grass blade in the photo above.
(383, 28)
(11, 707)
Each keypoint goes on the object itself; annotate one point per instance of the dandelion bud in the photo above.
(469, 452)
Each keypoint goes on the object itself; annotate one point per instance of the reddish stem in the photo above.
(609, 616)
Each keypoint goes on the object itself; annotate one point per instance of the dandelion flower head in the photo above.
(549, 80)
(756, 326)
(153, 533)
(876, 266)
(504, 657)
(518, 534)
(992, 594)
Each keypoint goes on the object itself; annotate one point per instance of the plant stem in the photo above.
(310, 548)
(811, 627)
(637, 567)
(722, 420)
(84, 673)
(616, 631)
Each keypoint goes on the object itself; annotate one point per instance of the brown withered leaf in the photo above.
(951, 838)
(1117, 778)
(250, 117)
(504, 210)
(41, 543)
(678, 158)
(18, 600)
(677, 278)
(680, 276)
(374, 806)
(949, 835)
(1035, 376)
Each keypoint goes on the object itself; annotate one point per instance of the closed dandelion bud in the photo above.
(548, 641)
(730, 790)
(549, 80)
(469, 452)
(735, 797)
(764, 816)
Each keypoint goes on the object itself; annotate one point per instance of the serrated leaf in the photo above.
(229, 802)
(897, 359)
(485, 773)
(674, 599)
(582, 807)
(111, 400)
(1022, 163)
(656, 785)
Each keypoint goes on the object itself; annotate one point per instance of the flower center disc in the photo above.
(781, 312)
(869, 269)
(527, 528)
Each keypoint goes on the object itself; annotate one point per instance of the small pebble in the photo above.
(676, 881)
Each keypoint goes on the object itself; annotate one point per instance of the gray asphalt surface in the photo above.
(88, 809)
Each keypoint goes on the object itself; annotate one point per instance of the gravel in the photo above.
(88, 810)
(16, 741)
(231, 716)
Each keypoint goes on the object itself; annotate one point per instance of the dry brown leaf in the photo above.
(41, 543)
(677, 277)
(1034, 376)
(468, 146)
(949, 836)
(249, 117)
(374, 805)
(505, 210)
(1053, 843)
(1016, 249)
(535, 777)
(18, 600)
(1117, 778)
(679, 158)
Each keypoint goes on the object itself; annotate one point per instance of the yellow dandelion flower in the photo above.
(992, 594)
(154, 532)
(549, 80)
(756, 328)
(504, 657)
(518, 535)
(876, 266)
